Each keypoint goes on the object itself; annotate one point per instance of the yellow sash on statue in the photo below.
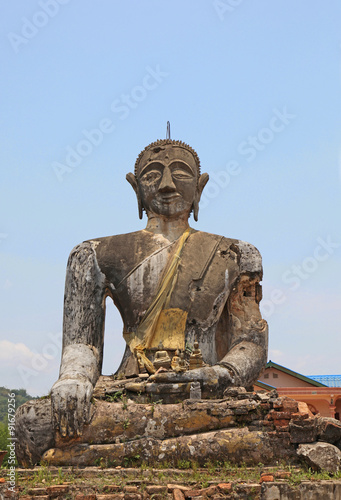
(161, 324)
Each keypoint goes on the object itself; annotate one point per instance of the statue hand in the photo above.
(71, 401)
(213, 379)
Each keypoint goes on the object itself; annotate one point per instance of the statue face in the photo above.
(168, 181)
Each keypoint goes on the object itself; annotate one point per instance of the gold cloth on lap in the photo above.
(170, 329)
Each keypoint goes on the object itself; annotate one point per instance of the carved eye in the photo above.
(152, 176)
(181, 174)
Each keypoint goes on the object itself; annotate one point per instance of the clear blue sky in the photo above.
(253, 87)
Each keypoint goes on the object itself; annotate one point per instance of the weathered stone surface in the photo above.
(194, 493)
(303, 409)
(234, 392)
(224, 487)
(127, 430)
(180, 487)
(328, 430)
(131, 489)
(111, 488)
(195, 390)
(280, 491)
(236, 445)
(307, 490)
(110, 496)
(178, 494)
(129, 426)
(324, 490)
(281, 474)
(303, 431)
(5, 493)
(107, 385)
(133, 496)
(154, 489)
(39, 497)
(37, 491)
(324, 456)
(289, 405)
(33, 431)
(127, 420)
(276, 490)
(57, 490)
(266, 478)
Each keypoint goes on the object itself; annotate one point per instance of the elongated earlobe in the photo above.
(133, 182)
(195, 209)
(203, 179)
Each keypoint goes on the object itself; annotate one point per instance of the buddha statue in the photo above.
(175, 363)
(195, 359)
(172, 284)
(140, 363)
(183, 364)
(161, 359)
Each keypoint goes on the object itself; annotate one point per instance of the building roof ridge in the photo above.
(305, 378)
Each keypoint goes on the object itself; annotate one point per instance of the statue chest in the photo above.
(203, 282)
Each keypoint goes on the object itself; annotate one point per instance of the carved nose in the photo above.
(167, 184)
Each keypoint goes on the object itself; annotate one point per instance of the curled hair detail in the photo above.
(165, 142)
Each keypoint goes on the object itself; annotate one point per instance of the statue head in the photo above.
(167, 180)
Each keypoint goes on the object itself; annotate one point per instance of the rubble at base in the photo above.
(94, 483)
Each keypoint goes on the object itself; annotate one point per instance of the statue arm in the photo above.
(83, 331)
(247, 354)
(84, 311)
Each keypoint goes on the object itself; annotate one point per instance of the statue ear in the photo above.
(202, 181)
(133, 182)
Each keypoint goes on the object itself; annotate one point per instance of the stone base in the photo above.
(241, 428)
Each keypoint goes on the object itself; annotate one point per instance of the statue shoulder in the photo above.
(115, 254)
(108, 244)
(83, 251)
(82, 267)
(250, 257)
(117, 239)
(105, 257)
(247, 255)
